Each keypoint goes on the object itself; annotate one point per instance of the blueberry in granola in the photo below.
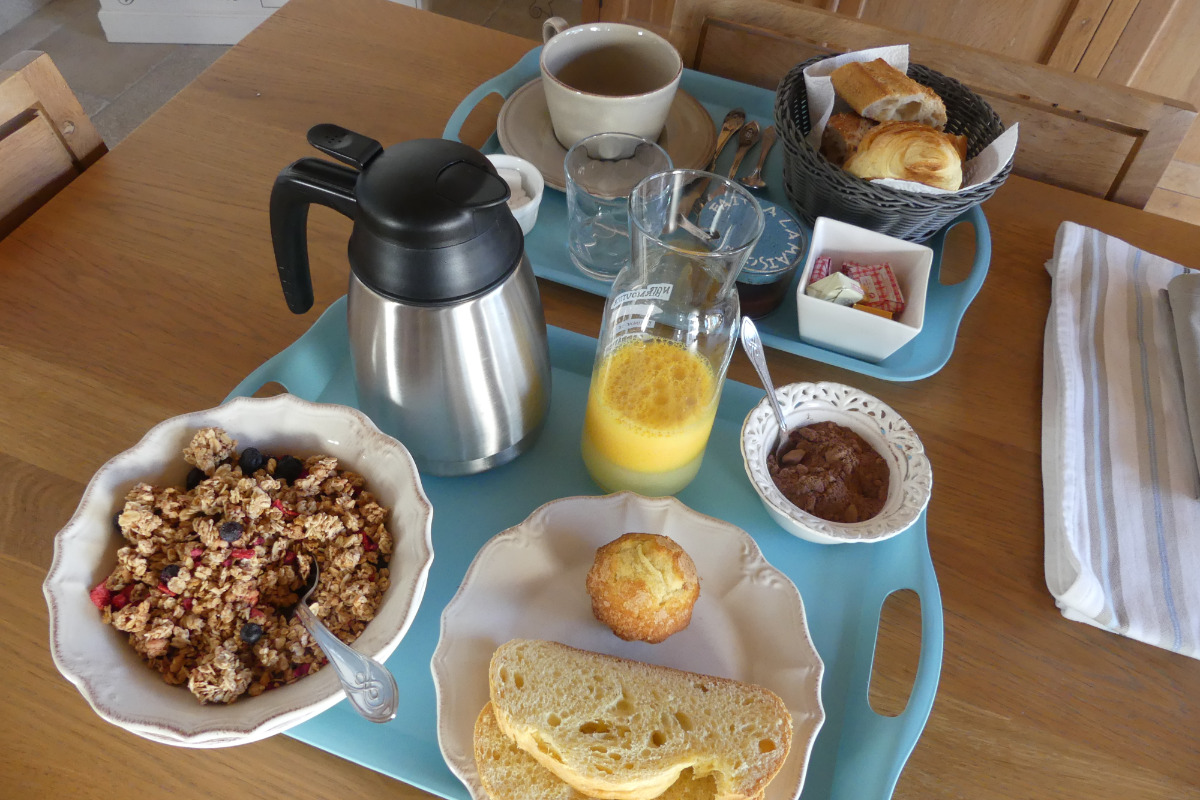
(251, 461)
(194, 476)
(251, 632)
(231, 531)
(289, 468)
(210, 614)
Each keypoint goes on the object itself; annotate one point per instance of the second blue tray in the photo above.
(858, 755)
(945, 306)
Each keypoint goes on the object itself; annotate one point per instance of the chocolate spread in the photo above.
(832, 473)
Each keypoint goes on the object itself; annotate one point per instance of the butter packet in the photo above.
(836, 287)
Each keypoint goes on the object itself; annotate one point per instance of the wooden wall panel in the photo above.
(1024, 29)
(1099, 139)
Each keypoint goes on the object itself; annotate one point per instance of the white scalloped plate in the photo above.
(528, 581)
(892, 437)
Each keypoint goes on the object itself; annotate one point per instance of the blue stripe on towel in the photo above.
(1156, 492)
(1091, 311)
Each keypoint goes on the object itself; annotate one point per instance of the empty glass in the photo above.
(601, 170)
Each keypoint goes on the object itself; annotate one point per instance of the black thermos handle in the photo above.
(309, 180)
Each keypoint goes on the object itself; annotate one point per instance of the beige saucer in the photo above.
(524, 130)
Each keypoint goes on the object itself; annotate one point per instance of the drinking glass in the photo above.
(668, 333)
(601, 171)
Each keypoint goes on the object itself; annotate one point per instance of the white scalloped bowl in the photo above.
(807, 403)
(101, 663)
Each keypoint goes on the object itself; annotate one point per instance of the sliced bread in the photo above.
(617, 729)
(509, 773)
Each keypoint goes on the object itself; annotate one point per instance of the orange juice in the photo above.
(650, 410)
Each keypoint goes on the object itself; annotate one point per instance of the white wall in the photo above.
(13, 11)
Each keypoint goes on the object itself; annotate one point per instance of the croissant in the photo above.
(910, 151)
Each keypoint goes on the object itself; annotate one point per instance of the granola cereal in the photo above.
(206, 582)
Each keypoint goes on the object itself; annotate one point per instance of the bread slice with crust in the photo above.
(509, 773)
(617, 729)
(879, 91)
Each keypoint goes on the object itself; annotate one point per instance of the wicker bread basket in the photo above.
(817, 187)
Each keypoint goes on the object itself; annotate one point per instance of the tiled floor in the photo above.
(120, 85)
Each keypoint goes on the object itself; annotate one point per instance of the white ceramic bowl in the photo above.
(850, 330)
(532, 183)
(885, 430)
(101, 663)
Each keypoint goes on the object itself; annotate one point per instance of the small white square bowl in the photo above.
(850, 330)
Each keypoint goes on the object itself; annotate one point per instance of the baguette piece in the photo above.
(909, 151)
(509, 773)
(617, 729)
(879, 91)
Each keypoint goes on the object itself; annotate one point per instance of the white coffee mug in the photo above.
(607, 77)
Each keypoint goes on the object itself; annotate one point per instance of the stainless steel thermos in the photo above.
(445, 321)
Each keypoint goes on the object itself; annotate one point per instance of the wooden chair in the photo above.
(46, 138)
(1096, 138)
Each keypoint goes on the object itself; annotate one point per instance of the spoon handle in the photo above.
(746, 139)
(370, 687)
(768, 139)
(752, 344)
(732, 123)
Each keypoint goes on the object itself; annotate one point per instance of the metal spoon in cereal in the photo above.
(370, 687)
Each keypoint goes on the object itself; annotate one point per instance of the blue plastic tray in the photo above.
(945, 304)
(858, 754)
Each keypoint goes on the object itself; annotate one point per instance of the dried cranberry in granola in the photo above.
(186, 589)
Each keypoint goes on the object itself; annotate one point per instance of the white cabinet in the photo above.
(190, 21)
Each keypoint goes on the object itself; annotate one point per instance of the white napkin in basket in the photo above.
(1122, 520)
(823, 102)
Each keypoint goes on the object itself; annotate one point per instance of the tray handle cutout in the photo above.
(952, 299)
(503, 84)
(305, 366)
(896, 654)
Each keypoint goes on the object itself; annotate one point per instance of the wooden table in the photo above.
(147, 289)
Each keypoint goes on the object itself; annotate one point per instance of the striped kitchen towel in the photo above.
(1119, 477)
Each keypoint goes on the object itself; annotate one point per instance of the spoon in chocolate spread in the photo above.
(753, 346)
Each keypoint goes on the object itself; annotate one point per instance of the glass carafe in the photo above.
(669, 330)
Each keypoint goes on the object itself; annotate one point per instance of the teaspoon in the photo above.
(753, 346)
(369, 686)
(755, 179)
(697, 194)
(747, 138)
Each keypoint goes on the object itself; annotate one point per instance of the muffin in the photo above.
(643, 586)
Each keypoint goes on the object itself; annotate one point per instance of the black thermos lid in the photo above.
(433, 223)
